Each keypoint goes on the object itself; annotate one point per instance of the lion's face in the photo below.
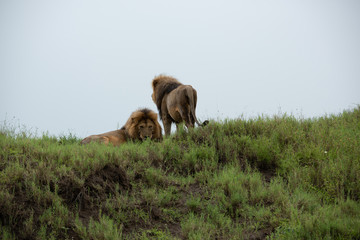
(143, 124)
(146, 129)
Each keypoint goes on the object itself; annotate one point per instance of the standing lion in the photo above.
(142, 124)
(176, 102)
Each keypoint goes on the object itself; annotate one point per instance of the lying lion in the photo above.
(142, 124)
(176, 102)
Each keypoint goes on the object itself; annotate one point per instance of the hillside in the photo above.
(275, 178)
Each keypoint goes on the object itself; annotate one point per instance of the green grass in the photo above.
(264, 178)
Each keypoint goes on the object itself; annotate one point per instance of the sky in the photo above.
(82, 67)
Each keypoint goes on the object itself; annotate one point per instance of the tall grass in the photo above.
(269, 177)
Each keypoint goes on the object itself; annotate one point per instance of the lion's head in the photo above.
(143, 124)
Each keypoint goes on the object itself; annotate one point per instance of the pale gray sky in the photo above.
(84, 66)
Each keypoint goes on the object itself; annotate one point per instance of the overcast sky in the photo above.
(84, 66)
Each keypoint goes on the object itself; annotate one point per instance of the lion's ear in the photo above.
(136, 116)
(153, 116)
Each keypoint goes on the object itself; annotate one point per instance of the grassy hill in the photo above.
(275, 178)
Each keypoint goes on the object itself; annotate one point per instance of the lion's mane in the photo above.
(136, 117)
(163, 85)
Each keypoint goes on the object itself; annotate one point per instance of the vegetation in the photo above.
(263, 178)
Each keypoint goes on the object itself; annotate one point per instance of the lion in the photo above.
(175, 101)
(142, 124)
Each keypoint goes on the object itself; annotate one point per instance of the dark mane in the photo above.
(146, 111)
(163, 85)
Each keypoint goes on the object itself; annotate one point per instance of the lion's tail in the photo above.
(192, 95)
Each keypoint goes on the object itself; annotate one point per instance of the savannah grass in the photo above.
(269, 177)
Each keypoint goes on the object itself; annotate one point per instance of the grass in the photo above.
(264, 178)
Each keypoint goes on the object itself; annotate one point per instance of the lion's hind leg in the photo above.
(167, 126)
(105, 140)
(115, 140)
(95, 138)
(187, 117)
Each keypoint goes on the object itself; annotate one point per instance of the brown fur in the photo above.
(176, 102)
(141, 124)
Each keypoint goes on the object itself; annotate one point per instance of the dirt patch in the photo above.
(104, 181)
(157, 220)
(97, 185)
(259, 234)
(89, 198)
(69, 189)
(268, 174)
(16, 208)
